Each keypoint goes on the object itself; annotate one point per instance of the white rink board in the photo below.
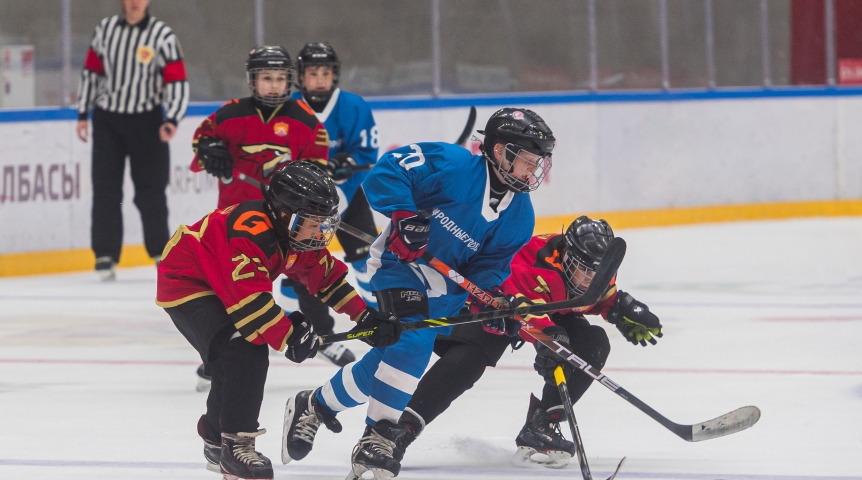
(609, 157)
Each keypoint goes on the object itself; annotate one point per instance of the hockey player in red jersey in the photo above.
(550, 268)
(215, 281)
(258, 135)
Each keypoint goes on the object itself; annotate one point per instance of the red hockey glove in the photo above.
(409, 237)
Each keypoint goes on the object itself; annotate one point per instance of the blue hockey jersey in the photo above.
(466, 233)
(351, 127)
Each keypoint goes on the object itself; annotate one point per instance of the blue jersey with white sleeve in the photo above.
(351, 127)
(466, 233)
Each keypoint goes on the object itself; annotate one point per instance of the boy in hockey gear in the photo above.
(479, 218)
(260, 134)
(353, 142)
(550, 268)
(215, 282)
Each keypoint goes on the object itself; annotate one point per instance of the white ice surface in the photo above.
(96, 383)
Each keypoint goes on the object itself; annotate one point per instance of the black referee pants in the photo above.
(116, 136)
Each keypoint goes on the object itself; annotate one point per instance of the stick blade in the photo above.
(468, 128)
(727, 424)
(612, 477)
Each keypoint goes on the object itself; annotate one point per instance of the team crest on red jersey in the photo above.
(280, 129)
(290, 260)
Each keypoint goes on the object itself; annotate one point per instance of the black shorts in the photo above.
(205, 324)
(493, 346)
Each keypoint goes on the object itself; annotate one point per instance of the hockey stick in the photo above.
(356, 233)
(468, 128)
(351, 169)
(732, 422)
(611, 261)
(729, 423)
(560, 377)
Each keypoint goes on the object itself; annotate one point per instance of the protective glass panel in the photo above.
(503, 45)
(31, 53)
(384, 45)
(738, 59)
(687, 44)
(629, 44)
(215, 36)
(778, 24)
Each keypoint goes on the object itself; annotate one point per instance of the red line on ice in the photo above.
(327, 365)
(811, 319)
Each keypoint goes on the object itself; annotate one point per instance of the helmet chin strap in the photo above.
(318, 97)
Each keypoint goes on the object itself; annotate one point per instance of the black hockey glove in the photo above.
(634, 320)
(303, 342)
(215, 156)
(387, 328)
(546, 360)
(340, 167)
(497, 326)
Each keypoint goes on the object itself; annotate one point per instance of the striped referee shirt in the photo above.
(134, 69)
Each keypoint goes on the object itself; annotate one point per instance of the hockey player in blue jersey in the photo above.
(353, 142)
(480, 215)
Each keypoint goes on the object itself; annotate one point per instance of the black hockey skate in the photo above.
(212, 447)
(414, 425)
(240, 460)
(302, 417)
(541, 435)
(378, 451)
(337, 353)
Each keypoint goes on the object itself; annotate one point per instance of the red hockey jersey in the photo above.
(234, 254)
(537, 274)
(260, 146)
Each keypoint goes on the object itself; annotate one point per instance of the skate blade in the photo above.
(214, 467)
(228, 476)
(377, 473)
(289, 410)
(529, 457)
(203, 385)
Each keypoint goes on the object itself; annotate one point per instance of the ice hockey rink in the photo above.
(96, 383)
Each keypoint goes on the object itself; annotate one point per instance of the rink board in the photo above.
(635, 161)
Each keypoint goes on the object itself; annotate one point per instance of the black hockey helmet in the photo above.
(519, 130)
(317, 54)
(303, 205)
(583, 246)
(269, 57)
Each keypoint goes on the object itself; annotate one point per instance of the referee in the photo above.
(133, 68)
